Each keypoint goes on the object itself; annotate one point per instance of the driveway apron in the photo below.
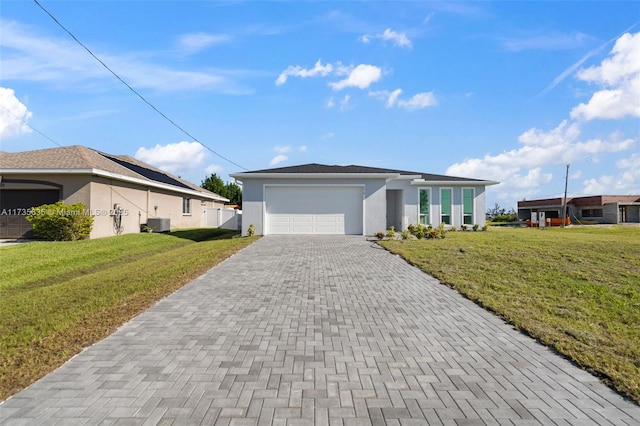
(320, 330)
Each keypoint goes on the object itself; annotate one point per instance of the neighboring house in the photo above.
(596, 208)
(358, 200)
(121, 192)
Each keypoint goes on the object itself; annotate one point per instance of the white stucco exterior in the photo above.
(388, 198)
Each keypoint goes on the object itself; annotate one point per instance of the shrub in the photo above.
(441, 230)
(391, 232)
(251, 231)
(379, 235)
(464, 227)
(476, 226)
(61, 222)
(433, 234)
(406, 234)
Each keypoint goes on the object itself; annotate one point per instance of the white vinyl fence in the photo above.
(223, 218)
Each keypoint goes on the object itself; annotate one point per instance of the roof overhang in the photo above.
(422, 182)
(116, 176)
(415, 179)
(243, 175)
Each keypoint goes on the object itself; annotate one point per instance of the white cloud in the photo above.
(601, 185)
(278, 159)
(632, 162)
(547, 41)
(344, 103)
(297, 71)
(564, 133)
(213, 168)
(521, 171)
(361, 77)
(34, 57)
(418, 101)
(619, 77)
(629, 174)
(398, 39)
(196, 42)
(331, 103)
(302, 148)
(173, 157)
(13, 115)
(282, 149)
(393, 97)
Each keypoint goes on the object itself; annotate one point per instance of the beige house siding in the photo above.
(139, 205)
(101, 182)
(100, 194)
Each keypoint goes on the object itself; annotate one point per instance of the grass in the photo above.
(59, 297)
(574, 289)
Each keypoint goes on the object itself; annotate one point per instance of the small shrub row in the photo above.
(421, 231)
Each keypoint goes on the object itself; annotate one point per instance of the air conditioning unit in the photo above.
(159, 224)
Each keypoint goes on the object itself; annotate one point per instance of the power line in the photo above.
(24, 122)
(134, 90)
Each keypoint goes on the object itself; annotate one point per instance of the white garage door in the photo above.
(314, 210)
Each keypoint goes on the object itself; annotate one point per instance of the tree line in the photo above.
(500, 214)
(230, 190)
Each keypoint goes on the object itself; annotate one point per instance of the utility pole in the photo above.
(564, 203)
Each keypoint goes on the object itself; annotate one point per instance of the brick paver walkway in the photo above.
(317, 330)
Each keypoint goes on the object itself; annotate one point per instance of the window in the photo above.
(186, 205)
(424, 216)
(592, 213)
(467, 206)
(445, 206)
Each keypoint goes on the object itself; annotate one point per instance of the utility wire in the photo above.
(134, 90)
(24, 122)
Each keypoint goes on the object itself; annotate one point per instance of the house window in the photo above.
(186, 205)
(592, 213)
(424, 207)
(445, 206)
(467, 206)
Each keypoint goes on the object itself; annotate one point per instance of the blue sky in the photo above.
(506, 91)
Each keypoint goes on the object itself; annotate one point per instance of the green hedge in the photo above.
(61, 222)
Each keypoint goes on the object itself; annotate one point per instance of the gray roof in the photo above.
(323, 168)
(79, 157)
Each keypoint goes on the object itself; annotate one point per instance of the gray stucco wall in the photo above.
(375, 201)
(374, 209)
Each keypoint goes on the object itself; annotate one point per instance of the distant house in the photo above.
(356, 200)
(611, 209)
(122, 193)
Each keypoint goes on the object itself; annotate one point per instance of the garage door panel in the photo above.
(314, 210)
(13, 206)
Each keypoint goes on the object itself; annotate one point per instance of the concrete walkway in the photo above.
(317, 330)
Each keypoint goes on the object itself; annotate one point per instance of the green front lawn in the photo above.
(59, 297)
(575, 289)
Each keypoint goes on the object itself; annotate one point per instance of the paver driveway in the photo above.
(317, 330)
